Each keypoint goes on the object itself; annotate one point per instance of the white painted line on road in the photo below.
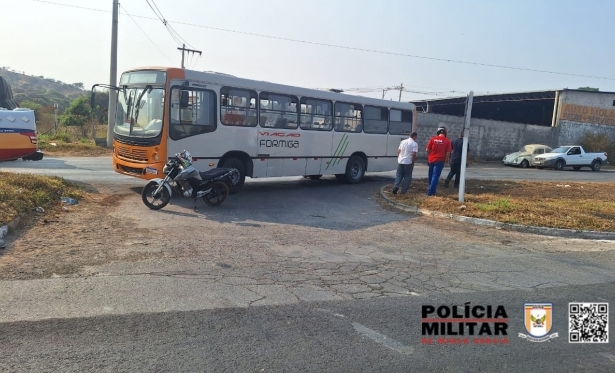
(608, 356)
(329, 311)
(382, 339)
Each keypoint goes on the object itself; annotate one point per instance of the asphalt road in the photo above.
(382, 335)
(294, 275)
(99, 170)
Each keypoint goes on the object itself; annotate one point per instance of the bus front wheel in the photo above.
(241, 168)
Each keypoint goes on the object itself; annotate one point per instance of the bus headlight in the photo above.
(156, 157)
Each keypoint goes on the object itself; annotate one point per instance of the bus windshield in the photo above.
(139, 112)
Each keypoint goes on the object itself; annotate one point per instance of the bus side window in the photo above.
(315, 114)
(400, 122)
(238, 107)
(278, 111)
(348, 117)
(376, 120)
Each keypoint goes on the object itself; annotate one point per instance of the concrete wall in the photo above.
(489, 140)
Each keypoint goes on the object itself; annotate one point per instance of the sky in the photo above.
(435, 48)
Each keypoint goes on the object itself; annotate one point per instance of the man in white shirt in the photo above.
(406, 155)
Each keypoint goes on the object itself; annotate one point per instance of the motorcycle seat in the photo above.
(214, 173)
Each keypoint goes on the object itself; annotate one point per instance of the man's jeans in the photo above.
(455, 171)
(404, 172)
(435, 170)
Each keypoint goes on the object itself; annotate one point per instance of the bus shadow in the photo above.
(323, 203)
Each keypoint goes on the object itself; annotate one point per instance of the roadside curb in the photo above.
(557, 232)
(5, 230)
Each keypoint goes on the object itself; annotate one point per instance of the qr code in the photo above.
(588, 323)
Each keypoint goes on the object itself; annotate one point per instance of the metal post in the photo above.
(464, 151)
(183, 49)
(113, 75)
(555, 107)
(55, 118)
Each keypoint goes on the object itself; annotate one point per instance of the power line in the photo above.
(174, 34)
(353, 48)
(150, 39)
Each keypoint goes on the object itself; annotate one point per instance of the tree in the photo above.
(33, 106)
(101, 106)
(77, 114)
(78, 85)
(589, 89)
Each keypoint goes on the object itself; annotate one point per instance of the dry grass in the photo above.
(82, 148)
(21, 194)
(583, 206)
(70, 141)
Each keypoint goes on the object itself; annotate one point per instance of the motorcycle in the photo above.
(181, 176)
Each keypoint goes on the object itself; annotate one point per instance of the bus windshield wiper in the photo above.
(147, 88)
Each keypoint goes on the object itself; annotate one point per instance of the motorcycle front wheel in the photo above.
(158, 201)
(217, 195)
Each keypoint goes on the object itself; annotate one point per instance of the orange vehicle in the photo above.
(18, 135)
(17, 129)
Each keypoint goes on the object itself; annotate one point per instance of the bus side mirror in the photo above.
(183, 103)
(92, 95)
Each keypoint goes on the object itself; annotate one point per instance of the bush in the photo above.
(599, 142)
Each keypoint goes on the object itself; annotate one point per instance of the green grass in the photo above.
(500, 205)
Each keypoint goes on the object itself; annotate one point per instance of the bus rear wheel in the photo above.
(241, 168)
(355, 170)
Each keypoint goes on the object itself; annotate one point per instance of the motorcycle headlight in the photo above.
(165, 169)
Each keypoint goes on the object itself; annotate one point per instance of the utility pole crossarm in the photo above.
(184, 50)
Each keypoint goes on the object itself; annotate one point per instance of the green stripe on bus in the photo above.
(342, 153)
(339, 151)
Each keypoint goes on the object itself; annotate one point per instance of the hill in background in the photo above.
(41, 90)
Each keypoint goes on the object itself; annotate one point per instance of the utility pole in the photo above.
(401, 88)
(183, 49)
(112, 74)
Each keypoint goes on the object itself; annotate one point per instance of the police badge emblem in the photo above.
(538, 322)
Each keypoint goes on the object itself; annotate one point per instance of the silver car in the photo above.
(525, 156)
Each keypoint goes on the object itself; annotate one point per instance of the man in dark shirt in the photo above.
(456, 161)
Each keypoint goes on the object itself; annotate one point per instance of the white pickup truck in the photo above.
(570, 156)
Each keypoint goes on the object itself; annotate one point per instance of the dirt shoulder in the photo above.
(61, 242)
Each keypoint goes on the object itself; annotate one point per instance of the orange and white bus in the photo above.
(262, 129)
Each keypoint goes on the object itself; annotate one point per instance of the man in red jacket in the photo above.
(438, 152)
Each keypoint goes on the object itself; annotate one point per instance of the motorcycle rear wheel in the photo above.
(155, 202)
(219, 192)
